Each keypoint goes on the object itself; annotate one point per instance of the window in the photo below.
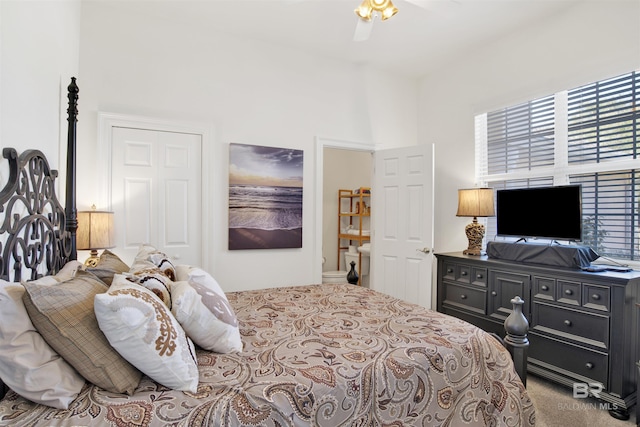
(589, 135)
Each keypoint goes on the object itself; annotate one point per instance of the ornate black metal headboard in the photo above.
(38, 236)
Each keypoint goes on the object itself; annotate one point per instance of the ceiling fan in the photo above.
(370, 9)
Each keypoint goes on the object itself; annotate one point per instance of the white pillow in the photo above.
(143, 330)
(68, 271)
(203, 310)
(28, 365)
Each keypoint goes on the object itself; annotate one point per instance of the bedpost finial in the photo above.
(517, 324)
(72, 95)
(73, 87)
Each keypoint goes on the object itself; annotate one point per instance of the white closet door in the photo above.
(156, 193)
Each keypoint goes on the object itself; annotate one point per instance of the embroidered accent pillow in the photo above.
(143, 330)
(150, 277)
(203, 310)
(149, 254)
(153, 270)
(64, 316)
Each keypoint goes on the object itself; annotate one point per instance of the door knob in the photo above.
(424, 250)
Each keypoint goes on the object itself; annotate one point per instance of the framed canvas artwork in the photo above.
(265, 197)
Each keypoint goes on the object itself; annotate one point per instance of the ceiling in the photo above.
(423, 35)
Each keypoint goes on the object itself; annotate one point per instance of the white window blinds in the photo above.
(603, 120)
(589, 136)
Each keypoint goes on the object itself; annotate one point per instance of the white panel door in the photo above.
(156, 192)
(402, 215)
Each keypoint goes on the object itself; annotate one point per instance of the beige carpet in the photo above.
(556, 407)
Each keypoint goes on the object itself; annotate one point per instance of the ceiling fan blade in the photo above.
(420, 3)
(430, 4)
(363, 30)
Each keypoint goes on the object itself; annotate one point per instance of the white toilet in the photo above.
(333, 276)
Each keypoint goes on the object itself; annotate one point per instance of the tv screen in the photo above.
(543, 212)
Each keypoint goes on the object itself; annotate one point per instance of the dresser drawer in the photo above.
(565, 323)
(544, 288)
(569, 292)
(449, 272)
(478, 276)
(578, 360)
(466, 274)
(465, 297)
(596, 297)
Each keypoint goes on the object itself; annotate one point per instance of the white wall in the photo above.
(249, 92)
(39, 48)
(591, 41)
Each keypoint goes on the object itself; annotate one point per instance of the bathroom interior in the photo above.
(344, 169)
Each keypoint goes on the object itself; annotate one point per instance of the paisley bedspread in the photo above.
(321, 355)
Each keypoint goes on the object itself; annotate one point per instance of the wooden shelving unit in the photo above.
(354, 211)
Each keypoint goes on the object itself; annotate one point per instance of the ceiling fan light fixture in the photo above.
(389, 11)
(365, 10)
(385, 8)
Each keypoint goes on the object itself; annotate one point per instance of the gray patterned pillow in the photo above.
(63, 314)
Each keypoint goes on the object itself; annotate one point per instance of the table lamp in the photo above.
(95, 231)
(475, 202)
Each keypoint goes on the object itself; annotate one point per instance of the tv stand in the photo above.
(583, 326)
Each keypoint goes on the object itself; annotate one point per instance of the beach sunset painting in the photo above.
(265, 197)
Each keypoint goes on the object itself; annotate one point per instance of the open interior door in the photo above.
(402, 216)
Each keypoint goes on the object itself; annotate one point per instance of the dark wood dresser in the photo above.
(583, 327)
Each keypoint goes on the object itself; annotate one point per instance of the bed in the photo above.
(311, 355)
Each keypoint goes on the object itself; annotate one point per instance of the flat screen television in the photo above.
(542, 212)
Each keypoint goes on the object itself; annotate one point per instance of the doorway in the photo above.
(401, 257)
(344, 169)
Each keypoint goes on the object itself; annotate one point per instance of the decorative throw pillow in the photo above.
(28, 365)
(204, 312)
(149, 276)
(66, 272)
(144, 331)
(64, 316)
(148, 253)
(108, 265)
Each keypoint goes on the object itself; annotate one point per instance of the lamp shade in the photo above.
(95, 230)
(475, 202)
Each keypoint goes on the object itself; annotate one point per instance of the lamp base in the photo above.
(474, 252)
(93, 259)
(475, 234)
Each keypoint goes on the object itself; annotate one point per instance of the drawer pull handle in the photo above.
(479, 276)
(464, 273)
(449, 270)
(568, 292)
(567, 322)
(463, 296)
(589, 365)
(494, 293)
(595, 297)
(545, 287)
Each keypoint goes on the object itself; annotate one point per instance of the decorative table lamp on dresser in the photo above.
(475, 202)
(95, 231)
